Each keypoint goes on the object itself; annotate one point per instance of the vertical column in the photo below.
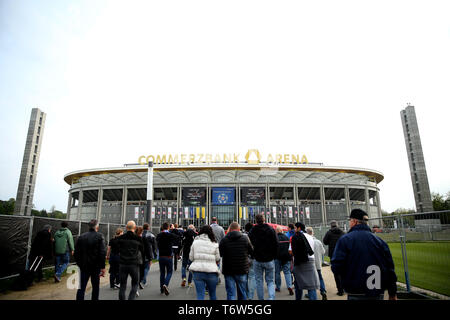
(124, 204)
(238, 203)
(347, 201)
(69, 205)
(268, 203)
(322, 202)
(366, 195)
(380, 217)
(180, 209)
(80, 203)
(99, 204)
(208, 204)
(295, 202)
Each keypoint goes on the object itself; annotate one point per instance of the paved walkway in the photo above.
(65, 290)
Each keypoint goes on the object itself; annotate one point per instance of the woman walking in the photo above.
(113, 256)
(205, 257)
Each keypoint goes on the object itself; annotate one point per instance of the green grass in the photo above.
(428, 264)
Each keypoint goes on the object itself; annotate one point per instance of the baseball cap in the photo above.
(359, 214)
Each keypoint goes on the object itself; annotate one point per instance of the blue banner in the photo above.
(223, 196)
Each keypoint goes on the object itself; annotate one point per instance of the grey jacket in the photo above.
(219, 233)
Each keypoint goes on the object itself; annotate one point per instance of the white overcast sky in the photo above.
(120, 79)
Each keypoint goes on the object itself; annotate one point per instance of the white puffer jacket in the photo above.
(204, 255)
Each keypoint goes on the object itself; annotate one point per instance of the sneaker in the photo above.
(307, 296)
(324, 296)
(166, 290)
(291, 292)
(183, 283)
(340, 294)
(206, 292)
(219, 281)
(141, 286)
(117, 286)
(277, 290)
(57, 279)
(190, 285)
(137, 294)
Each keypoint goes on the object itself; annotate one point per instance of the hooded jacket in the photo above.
(188, 239)
(357, 256)
(204, 255)
(331, 238)
(234, 250)
(63, 241)
(283, 249)
(264, 241)
(42, 244)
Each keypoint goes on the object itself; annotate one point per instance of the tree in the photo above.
(439, 202)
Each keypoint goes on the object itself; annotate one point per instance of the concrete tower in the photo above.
(27, 181)
(416, 160)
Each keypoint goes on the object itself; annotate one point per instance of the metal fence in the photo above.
(17, 234)
(419, 244)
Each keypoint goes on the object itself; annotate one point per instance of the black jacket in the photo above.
(264, 241)
(178, 237)
(283, 248)
(301, 249)
(188, 238)
(150, 238)
(234, 249)
(357, 255)
(129, 247)
(165, 241)
(42, 245)
(90, 251)
(331, 238)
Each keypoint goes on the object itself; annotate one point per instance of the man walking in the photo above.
(319, 251)
(234, 250)
(63, 248)
(41, 247)
(219, 233)
(330, 239)
(305, 273)
(150, 240)
(283, 262)
(90, 254)
(130, 245)
(364, 262)
(176, 247)
(165, 241)
(265, 248)
(188, 239)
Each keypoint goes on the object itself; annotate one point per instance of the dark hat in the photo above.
(359, 214)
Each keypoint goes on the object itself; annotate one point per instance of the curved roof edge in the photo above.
(377, 175)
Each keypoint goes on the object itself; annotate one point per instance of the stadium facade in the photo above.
(192, 189)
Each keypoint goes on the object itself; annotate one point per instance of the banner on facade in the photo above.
(203, 213)
(186, 212)
(307, 212)
(253, 196)
(136, 212)
(274, 211)
(223, 196)
(169, 213)
(194, 196)
(153, 212)
(290, 212)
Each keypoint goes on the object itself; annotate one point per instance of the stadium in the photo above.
(193, 188)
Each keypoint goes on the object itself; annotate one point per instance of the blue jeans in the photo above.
(322, 283)
(205, 280)
(62, 261)
(236, 282)
(146, 270)
(165, 264)
(186, 262)
(286, 268)
(269, 269)
(251, 282)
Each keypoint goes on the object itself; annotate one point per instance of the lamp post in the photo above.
(150, 193)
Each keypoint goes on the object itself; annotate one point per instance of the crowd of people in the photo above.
(249, 258)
